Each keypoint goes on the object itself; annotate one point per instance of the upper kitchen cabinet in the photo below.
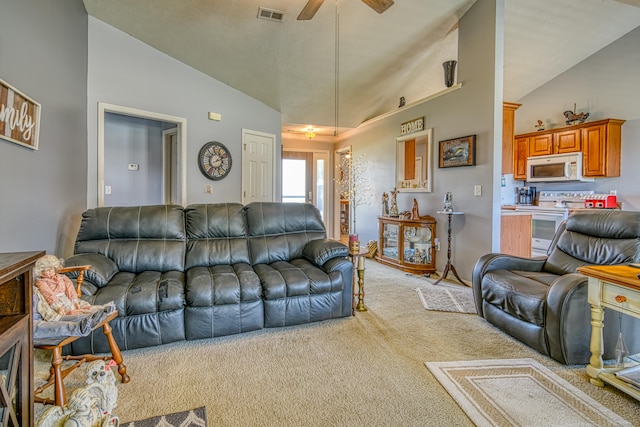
(599, 141)
(601, 148)
(508, 130)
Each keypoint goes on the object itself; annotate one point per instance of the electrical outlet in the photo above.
(107, 189)
(477, 190)
(613, 192)
(208, 189)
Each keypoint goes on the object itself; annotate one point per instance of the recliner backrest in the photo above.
(280, 231)
(598, 237)
(216, 235)
(137, 238)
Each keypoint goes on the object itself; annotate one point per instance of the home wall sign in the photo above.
(19, 117)
(415, 125)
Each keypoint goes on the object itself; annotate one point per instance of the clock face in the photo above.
(214, 160)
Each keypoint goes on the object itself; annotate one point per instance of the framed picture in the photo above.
(19, 117)
(457, 152)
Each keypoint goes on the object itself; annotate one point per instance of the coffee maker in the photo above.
(525, 195)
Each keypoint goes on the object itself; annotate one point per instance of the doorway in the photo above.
(305, 175)
(341, 206)
(119, 167)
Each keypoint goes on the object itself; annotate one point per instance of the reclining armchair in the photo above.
(543, 301)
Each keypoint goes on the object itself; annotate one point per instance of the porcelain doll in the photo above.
(57, 289)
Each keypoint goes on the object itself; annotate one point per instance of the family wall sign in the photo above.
(19, 117)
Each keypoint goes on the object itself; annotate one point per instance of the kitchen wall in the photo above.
(605, 85)
(472, 109)
(43, 51)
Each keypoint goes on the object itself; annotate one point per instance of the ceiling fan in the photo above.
(312, 7)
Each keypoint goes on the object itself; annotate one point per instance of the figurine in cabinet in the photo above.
(394, 203)
(385, 204)
(414, 210)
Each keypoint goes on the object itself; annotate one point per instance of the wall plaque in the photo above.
(19, 117)
(415, 125)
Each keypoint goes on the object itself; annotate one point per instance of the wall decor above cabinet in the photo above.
(598, 141)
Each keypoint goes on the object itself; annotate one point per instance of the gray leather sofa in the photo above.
(209, 270)
(543, 301)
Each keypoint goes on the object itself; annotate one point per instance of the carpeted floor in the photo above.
(362, 370)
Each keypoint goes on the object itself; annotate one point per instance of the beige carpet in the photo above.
(355, 371)
(519, 392)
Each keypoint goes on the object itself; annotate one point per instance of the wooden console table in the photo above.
(616, 287)
(16, 337)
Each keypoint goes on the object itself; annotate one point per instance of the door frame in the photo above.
(327, 176)
(181, 125)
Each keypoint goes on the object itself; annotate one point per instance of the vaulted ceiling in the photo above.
(329, 76)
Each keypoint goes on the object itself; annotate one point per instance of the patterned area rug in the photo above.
(447, 298)
(519, 392)
(193, 418)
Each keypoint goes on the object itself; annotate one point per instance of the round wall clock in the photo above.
(214, 160)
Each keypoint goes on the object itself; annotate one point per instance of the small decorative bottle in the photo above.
(621, 351)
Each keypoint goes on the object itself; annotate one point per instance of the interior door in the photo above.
(258, 166)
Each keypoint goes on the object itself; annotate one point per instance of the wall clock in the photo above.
(214, 160)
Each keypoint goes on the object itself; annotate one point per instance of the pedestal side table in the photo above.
(449, 266)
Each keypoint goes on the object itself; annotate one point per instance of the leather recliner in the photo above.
(543, 301)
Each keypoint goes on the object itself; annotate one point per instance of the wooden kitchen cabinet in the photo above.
(520, 154)
(599, 142)
(601, 147)
(508, 131)
(515, 235)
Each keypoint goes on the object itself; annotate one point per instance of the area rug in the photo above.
(519, 392)
(444, 298)
(193, 418)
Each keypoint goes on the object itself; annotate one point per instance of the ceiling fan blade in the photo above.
(310, 9)
(378, 5)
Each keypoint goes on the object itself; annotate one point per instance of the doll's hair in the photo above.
(47, 261)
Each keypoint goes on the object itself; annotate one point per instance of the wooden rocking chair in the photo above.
(57, 374)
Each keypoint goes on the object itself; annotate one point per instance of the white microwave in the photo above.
(555, 168)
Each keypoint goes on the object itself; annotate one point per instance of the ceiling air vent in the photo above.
(270, 14)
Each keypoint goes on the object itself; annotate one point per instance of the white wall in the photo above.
(466, 111)
(607, 86)
(132, 140)
(126, 72)
(43, 51)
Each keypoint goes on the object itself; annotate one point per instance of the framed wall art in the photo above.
(457, 152)
(19, 117)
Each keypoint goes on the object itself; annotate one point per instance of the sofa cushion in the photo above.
(280, 231)
(222, 300)
(216, 235)
(137, 238)
(519, 293)
(298, 292)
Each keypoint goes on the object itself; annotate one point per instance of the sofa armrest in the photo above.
(495, 261)
(101, 271)
(320, 251)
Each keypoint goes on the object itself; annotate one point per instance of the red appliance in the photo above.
(601, 201)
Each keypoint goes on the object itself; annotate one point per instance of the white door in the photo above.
(258, 166)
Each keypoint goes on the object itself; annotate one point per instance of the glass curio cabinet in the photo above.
(408, 244)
